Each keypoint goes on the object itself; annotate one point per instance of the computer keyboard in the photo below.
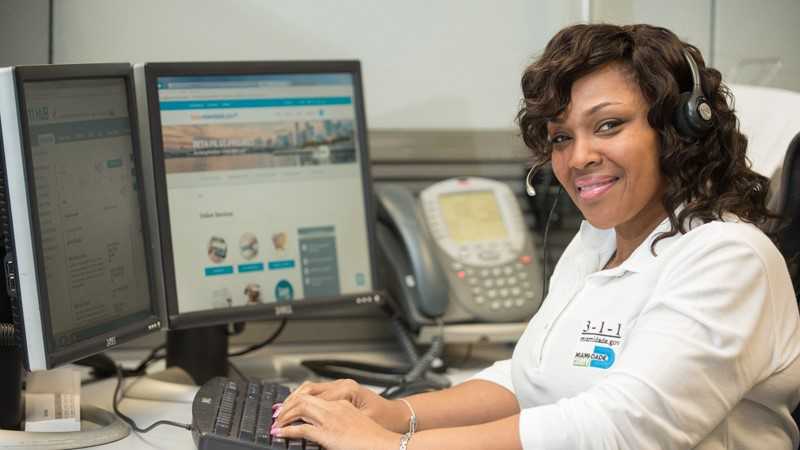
(233, 415)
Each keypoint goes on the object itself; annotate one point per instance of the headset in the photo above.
(693, 115)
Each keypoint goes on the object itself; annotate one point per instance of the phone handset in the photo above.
(399, 210)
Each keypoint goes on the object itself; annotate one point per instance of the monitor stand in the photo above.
(102, 427)
(201, 352)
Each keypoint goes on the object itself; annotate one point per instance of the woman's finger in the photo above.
(300, 431)
(306, 388)
(314, 388)
(334, 390)
(306, 408)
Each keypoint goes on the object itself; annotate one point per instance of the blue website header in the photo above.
(253, 103)
(245, 81)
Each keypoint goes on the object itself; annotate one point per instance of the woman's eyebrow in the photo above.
(560, 119)
(600, 106)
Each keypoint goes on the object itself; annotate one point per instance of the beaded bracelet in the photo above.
(404, 440)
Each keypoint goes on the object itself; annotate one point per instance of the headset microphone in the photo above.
(529, 182)
(532, 192)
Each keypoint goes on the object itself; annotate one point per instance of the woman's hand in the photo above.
(335, 425)
(392, 415)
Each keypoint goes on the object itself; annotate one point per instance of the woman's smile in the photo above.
(592, 187)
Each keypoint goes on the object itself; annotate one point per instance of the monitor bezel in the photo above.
(134, 328)
(305, 308)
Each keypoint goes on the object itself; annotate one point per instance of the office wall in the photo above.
(749, 42)
(689, 19)
(753, 36)
(24, 32)
(427, 64)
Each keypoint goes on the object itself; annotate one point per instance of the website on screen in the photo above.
(266, 201)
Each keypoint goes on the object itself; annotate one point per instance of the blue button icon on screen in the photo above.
(284, 292)
(251, 267)
(218, 270)
(283, 264)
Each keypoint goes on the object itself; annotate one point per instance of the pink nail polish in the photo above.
(277, 406)
(275, 413)
(275, 431)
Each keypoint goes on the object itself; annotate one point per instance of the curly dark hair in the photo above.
(710, 175)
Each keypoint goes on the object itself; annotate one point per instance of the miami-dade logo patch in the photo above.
(597, 344)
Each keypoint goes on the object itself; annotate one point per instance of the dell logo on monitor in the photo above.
(368, 299)
(111, 341)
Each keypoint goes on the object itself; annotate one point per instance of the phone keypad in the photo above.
(501, 287)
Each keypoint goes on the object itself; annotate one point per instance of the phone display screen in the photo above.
(472, 216)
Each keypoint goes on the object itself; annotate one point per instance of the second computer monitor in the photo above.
(262, 188)
(76, 251)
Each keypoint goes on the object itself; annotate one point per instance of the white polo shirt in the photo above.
(697, 347)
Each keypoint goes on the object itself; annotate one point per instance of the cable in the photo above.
(151, 358)
(263, 343)
(405, 341)
(130, 421)
(156, 356)
(406, 389)
(416, 377)
(364, 373)
(545, 279)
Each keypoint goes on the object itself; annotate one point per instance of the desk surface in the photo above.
(145, 412)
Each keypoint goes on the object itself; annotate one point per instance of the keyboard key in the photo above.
(312, 446)
(281, 393)
(295, 444)
(264, 420)
(250, 414)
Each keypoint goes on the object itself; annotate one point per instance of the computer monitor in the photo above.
(263, 196)
(76, 250)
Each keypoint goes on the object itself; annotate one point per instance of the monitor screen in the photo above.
(91, 283)
(266, 184)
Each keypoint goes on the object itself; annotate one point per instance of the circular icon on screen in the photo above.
(217, 249)
(253, 293)
(248, 245)
(284, 292)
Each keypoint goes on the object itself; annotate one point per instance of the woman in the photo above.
(670, 321)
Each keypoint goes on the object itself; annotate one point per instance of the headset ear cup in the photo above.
(688, 120)
(682, 116)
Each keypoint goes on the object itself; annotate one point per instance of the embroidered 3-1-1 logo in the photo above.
(597, 344)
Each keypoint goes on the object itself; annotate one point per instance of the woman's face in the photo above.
(605, 153)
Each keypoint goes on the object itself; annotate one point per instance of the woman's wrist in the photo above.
(399, 417)
(393, 441)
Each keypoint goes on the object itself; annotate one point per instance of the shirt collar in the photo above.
(599, 244)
